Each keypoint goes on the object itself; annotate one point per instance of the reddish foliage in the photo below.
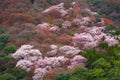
(58, 22)
(50, 75)
(64, 39)
(54, 14)
(19, 17)
(107, 21)
(76, 10)
(31, 73)
(8, 7)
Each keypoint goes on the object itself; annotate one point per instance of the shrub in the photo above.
(9, 49)
(2, 44)
(62, 76)
(6, 63)
(91, 55)
(54, 14)
(7, 76)
(116, 63)
(52, 2)
(8, 58)
(19, 17)
(107, 8)
(103, 45)
(4, 38)
(78, 73)
(114, 74)
(18, 73)
(101, 63)
(64, 39)
(1, 30)
(95, 74)
(96, 2)
(2, 55)
(76, 78)
(112, 29)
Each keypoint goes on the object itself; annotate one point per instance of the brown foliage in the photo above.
(54, 14)
(50, 75)
(19, 17)
(8, 7)
(27, 33)
(31, 73)
(107, 21)
(64, 39)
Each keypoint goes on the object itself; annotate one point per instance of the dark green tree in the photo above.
(32, 1)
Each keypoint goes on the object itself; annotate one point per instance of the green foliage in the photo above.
(107, 8)
(110, 54)
(2, 44)
(102, 66)
(52, 2)
(8, 58)
(18, 73)
(78, 70)
(75, 78)
(62, 76)
(78, 73)
(116, 63)
(114, 74)
(101, 63)
(7, 76)
(95, 74)
(112, 29)
(9, 49)
(96, 2)
(2, 55)
(91, 55)
(103, 45)
(3, 40)
(6, 63)
(4, 37)
(2, 30)
(32, 1)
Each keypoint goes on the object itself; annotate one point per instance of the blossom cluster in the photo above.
(59, 7)
(76, 22)
(39, 74)
(66, 24)
(26, 56)
(43, 25)
(46, 64)
(77, 61)
(65, 50)
(92, 37)
(52, 62)
(54, 50)
(90, 12)
(69, 50)
(55, 29)
(25, 52)
(24, 64)
(111, 41)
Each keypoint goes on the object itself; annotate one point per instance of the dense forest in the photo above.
(59, 39)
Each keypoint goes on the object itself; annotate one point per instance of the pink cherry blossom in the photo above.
(77, 61)
(111, 41)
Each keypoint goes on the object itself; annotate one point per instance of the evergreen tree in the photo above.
(32, 1)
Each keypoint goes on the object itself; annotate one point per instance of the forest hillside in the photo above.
(59, 39)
